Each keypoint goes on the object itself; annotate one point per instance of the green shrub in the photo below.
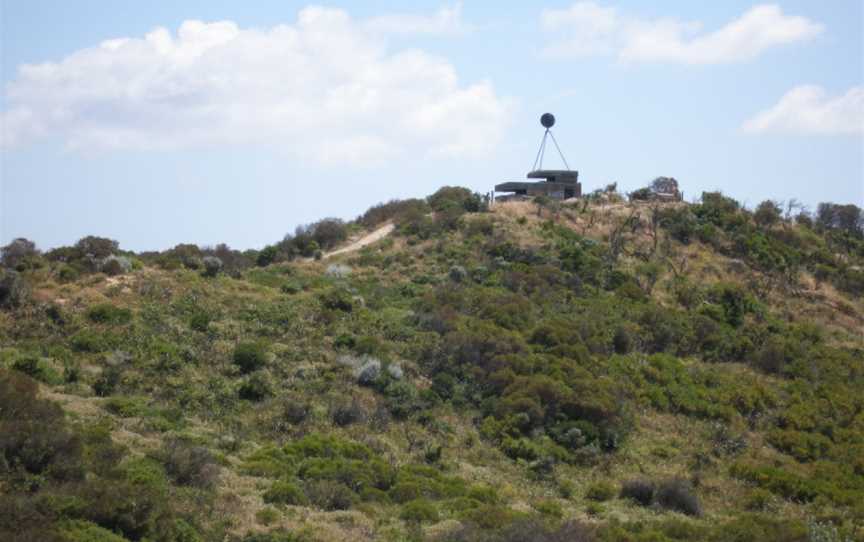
(146, 473)
(250, 356)
(455, 198)
(30, 366)
(329, 495)
(14, 291)
(285, 492)
(107, 381)
(549, 507)
(484, 494)
(623, 341)
(751, 527)
(392, 210)
(266, 516)
(680, 223)
(777, 480)
(677, 494)
(255, 388)
(189, 464)
(107, 313)
(67, 273)
(290, 288)
(406, 491)
(639, 491)
(275, 536)
(33, 433)
(125, 407)
(767, 213)
(347, 411)
(167, 356)
(89, 341)
(86, 531)
(800, 445)
(594, 509)
(758, 500)
(419, 510)
(490, 516)
(600, 491)
(266, 256)
(337, 299)
(200, 321)
(115, 265)
(212, 266)
(373, 494)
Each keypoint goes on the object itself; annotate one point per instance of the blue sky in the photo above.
(264, 115)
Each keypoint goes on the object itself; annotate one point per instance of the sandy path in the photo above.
(366, 240)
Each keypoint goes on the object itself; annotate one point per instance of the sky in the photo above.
(215, 121)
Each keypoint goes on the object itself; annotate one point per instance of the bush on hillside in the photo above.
(640, 491)
(457, 198)
(419, 511)
(845, 218)
(255, 388)
(20, 254)
(189, 464)
(250, 356)
(329, 232)
(285, 492)
(33, 435)
(187, 255)
(394, 210)
(106, 313)
(115, 265)
(13, 289)
(212, 266)
(347, 412)
(97, 248)
(294, 410)
(767, 213)
(309, 240)
(679, 222)
(600, 491)
(337, 299)
(329, 495)
(266, 256)
(677, 494)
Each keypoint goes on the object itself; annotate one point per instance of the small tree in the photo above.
(266, 256)
(13, 289)
(18, 254)
(250, 356)
(329, 232)
(212, 266)
(767, 213)
(97, 248)
(848, 218)
(189, 255)
(115, 265)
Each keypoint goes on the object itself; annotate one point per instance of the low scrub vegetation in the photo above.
(531, 371)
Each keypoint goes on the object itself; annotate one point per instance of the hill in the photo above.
(586, 370)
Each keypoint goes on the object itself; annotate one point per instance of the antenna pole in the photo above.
(561, 154)
(548, 121)
(541, 151)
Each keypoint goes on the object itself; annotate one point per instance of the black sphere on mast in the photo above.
(547, 120)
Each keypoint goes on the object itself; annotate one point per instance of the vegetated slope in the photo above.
(595, 370)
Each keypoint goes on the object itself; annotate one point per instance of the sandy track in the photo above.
(366, 240)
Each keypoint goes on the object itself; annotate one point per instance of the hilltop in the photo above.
(443, 370)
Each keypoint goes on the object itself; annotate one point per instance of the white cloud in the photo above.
(586, 28)
(446, 21)
(807, 109)
(328, 86)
